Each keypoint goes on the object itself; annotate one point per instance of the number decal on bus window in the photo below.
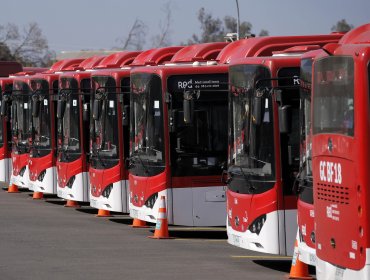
(331, 172)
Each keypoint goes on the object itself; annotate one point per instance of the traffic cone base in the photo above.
(38, 195)
(13, 189)
(72, 204)
(103, 213)
(137, 223)
(298, 270)
(161, 227)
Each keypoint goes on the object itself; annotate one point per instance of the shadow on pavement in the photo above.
(281, 265)
(197, 234)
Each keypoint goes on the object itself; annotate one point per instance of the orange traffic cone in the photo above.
(38, 195)
(103, 213)
(136, 223)
(13, 189)
(298, 270)
(161, 228)
(72, 204)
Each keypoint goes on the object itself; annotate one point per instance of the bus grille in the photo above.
(332, 193)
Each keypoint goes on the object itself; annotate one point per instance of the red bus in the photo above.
(160, 138)
(42, 159)
(21, 129)
(340, 156)
(6, 85)
(304, 182)
(73, 131)
(264, 148)
(110, 131)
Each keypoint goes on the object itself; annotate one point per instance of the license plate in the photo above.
(60, 193)
(235, 239)
(93, 203)
(134, 213)
(313, 259)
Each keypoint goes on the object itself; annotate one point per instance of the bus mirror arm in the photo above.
(285, 119)
(35, 106)
(125, 115)
(4, 107)
(61, 107)
(225, 177)
(97, 108)
(257, 110)
(86, 112)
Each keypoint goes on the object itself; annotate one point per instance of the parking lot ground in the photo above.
(41, 239)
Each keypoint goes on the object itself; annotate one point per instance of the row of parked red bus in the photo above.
(241, 133)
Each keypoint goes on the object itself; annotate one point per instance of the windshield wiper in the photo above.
(137, 153)
(258, 160)
(246, 176)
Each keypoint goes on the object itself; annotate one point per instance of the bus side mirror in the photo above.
(173, 120)
(35, 107)
(257, 110)
(188, 107)
(86, 112)
(125, 115)
(4, 107)
(61, 108)
(285, 119)
(97, 107)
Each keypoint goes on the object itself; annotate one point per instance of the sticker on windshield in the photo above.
(45, 102)
(25, 105)
(74, 103)
(111, 104)
(156, 104)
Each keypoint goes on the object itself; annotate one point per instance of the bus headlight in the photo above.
(71, 181)
(313, 237)
(151, 200)
(107, 191)
(21, 172)
(41, 176)
(257, 224)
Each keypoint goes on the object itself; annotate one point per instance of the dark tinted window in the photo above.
(333, 110)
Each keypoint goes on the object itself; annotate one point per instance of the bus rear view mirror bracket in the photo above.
(35, 106)
(61, 107)
(86, 112)
(4, 106)
(285, 119)
(125, 115)
(97, 108)
(188, 106)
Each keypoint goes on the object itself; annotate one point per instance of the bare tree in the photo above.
(162, 39)
(215, 29)
(342, 26)
(28, 46)
(263, 32)
(136, 36)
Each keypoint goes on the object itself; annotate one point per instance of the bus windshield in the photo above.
(21, 116)
(333, 108)
(69, 125)
(198, 148)
(305, 162)
(146, 119)
(105, 138)
(251, 143)
(42, 123)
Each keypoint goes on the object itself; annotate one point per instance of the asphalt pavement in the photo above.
(41, 239)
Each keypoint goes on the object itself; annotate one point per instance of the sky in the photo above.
(93, 24)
